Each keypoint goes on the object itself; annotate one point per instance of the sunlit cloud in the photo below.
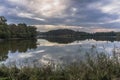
(30, 16)
(110, 7)
(44, 28)
(103, 30)
(47, 8)
(59, 14)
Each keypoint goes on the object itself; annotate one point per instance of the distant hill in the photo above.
(60, 32)
(63, 33)
(67, 35)
(68, 32)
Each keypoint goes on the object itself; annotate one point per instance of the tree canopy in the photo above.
(2, 20)
(20, 30)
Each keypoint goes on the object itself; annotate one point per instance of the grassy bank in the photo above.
(100, 67)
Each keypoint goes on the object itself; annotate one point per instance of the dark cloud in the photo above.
(85, 13)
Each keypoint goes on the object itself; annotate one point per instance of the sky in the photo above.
(79, 15)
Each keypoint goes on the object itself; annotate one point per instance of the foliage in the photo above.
(100, 67)
(17, 31)
(2, 20)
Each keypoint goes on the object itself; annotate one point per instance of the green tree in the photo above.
(16, 31)
(2, 20)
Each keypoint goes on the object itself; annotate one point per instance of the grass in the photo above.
(100, 67)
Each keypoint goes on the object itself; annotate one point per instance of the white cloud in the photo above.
(30, 16)
(74, 10)
(64, 12)
(110, 7)
(1, 9)
(103, 30)
(44, 28)
(27, 15)
(46, 8)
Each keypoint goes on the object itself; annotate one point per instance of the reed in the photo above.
(99, 67)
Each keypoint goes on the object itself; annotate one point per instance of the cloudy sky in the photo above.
(82, 15)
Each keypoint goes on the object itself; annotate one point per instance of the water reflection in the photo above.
(28, 53)
(63, 40)
(15, 45)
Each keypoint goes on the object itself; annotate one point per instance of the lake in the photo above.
(57, 51)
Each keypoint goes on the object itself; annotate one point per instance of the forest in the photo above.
(20, 30)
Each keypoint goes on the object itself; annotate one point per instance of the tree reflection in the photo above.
(63, 40)
(60, 40)
(15, 45)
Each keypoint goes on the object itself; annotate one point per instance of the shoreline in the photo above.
(17, 39)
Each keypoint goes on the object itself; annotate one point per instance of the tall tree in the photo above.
(2, 20)
(16, 31)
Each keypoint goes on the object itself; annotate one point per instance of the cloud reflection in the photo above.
(59, 53)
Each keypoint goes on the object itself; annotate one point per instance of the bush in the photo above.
(100, 67)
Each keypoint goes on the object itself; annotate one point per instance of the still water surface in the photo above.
(41, 52)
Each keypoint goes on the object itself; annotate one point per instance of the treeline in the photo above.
(63, 33)
(16, 31)
(71, 33)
